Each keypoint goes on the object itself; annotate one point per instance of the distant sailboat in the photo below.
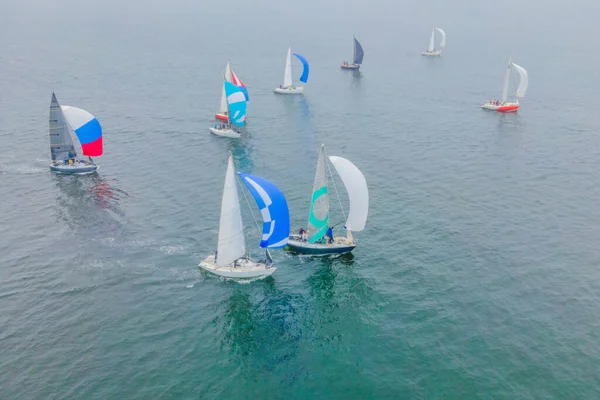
(288, 85)
(357, 57)
(315, 240)
(231, 259)
(236, 111)
(64, 119)
(431, 51)
(503, 105)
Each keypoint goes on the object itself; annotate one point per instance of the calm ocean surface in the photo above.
(477, 276)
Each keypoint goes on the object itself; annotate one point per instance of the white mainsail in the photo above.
(431, 41)
(443, 41)
(287, 75)
(231, 244)
(524, 81)
(61, 142)
(358, 193)
(506, 81)
(227, 77)
(318, 217)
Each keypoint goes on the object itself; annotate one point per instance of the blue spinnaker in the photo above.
(236, 101)
(274, 210)
(304, 76)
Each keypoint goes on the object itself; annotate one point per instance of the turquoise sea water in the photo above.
(476, 276)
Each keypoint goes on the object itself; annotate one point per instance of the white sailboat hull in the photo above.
(290, 90)
(230, 133)
(432, 53)
(75, 168)
(242, 268)
(350, 66)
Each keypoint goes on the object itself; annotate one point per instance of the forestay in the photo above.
(523, 82)
(274, 210)
(231, 244)
(61, 143)
(87, 128)
(506, 81)
(318, 215)
(358, 193)
(304, 76)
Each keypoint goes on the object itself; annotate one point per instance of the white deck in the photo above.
(432, 53)
(290, 90)
(242, 268)
(230, 133)
(75, 168)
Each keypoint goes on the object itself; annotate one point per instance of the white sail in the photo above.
(287, 75)
(227, 77)
(61, 143)
(443, 41)
(318, 217)
(231, 244)
(523, 82)
(505, 86)
(358, 193)
(431, 41)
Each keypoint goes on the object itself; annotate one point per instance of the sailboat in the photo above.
(63, 120)
(503, 105)
(317, 239)
(288, 85)
(236, 111)
(231, 258)
(357, 57)
(431, 51)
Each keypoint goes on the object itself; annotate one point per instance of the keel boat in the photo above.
(431, 51)
(63, 120)
(318, 239)
(357, 57)
(231, 259)
(288, 85)
(504, 105)
(236, 112)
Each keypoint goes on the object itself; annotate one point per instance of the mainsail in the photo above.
(287, 74)
(61, 143)
(506, 81)
(304, 76)
(431, 41)
(318, 216)
(358, 193)
(231, 244)
(87, 128)
(236, 102)
(227, 78)
(523, 82)
(358, 53)
(443, 41)
(274, 210)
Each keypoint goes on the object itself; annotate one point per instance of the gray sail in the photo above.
(61, 143)
(358, 52)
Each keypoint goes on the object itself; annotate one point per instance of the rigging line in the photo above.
(335, 187)
(250, 208)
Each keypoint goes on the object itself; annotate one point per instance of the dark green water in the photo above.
(476, 277)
